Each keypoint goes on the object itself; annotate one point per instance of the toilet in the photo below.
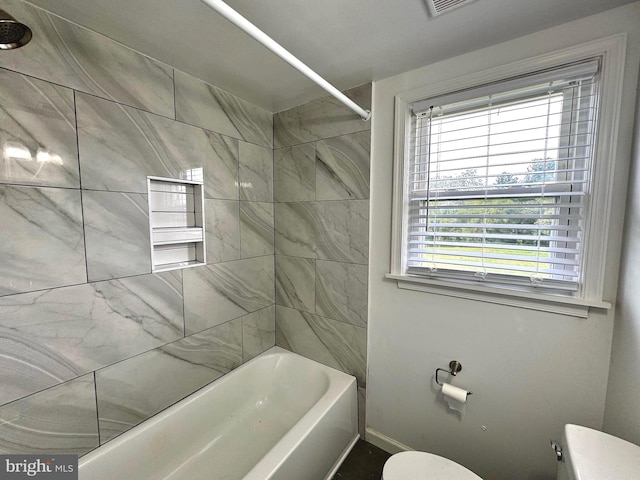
(586, 454)
(424, 466)
(589, 454)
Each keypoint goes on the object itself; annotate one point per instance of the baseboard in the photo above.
(382, 441)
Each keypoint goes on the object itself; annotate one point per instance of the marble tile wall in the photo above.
(132, 390)
(321, 193)
(88, 334)
(63, 53)
(321, 119)
(215, 294)
(207, 106)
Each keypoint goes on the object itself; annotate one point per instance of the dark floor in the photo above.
(365, 462)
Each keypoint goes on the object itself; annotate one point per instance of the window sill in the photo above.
(574, 307)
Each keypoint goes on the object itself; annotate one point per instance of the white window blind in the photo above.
(498, 180)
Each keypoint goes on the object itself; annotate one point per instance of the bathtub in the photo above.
(278, 416)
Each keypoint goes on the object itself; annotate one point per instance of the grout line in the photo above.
(95, 389)
(44, 389)
(84, 232)
(155, 114)
(320, 139)
(75, 118)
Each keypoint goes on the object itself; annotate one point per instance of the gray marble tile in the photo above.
(336, 344)
(222, 230)
(41, 239)
(256, 173)
(210, 107)
(341, 292)
(294, 173)
(256, 229)
(331, 230)
(258, 332)
(135, 144)
(60, 420)
(296, 283)
(342, 167)
(116, 228)
(51, 336)
(343, 231)
(322, 118)
(214, 294)
(69, 55)
(296, 229)
(131, 391)
(37, 133)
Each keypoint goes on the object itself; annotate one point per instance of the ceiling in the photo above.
(348, 42)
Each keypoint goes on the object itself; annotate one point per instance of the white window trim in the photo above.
(612, 52)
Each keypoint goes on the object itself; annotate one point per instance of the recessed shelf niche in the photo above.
(176, 223)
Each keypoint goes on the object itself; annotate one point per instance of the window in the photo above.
(497, 183)
(503, 186)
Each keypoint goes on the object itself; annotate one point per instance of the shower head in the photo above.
(13, 34)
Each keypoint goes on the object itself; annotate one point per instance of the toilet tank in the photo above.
(593, 455)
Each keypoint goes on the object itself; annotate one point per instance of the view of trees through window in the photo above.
(506, 214)
(488, 177)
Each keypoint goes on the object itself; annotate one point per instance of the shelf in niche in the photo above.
(176, 223)
(175, 266)
(176, 235)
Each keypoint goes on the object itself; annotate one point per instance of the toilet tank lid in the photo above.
(595, 455)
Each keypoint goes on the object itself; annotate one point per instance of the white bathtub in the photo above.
(278, 416)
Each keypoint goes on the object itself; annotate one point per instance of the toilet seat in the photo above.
(424, 466)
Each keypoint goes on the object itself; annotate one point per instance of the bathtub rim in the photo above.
(301, 430)
(153, 421)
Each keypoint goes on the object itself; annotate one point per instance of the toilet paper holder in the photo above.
(454, 368)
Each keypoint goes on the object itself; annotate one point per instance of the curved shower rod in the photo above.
(238, 20)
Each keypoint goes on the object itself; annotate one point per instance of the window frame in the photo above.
(611, 51)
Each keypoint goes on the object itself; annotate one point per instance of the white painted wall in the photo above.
(622, 414)
(531, 372)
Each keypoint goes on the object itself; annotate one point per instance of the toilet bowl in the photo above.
(424, 466)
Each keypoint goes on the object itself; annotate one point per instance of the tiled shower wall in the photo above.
(91, 342)
(321, 192)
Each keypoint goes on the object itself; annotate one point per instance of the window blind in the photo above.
(498, 180)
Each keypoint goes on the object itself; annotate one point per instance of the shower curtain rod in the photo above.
(238, 20)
